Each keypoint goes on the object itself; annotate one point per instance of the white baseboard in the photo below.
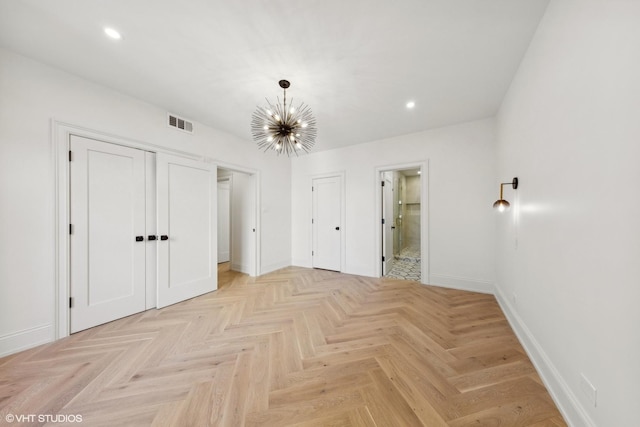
(302, 262)
(567, 402)
(462, 283)
(224, 257)
(240, 268)
(25, 339)
(273, 267)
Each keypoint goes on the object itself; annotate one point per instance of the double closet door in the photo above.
(143, 230)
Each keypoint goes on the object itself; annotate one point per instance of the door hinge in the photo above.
(70, 156)
(382, 183)
(383, 258)
(382, 220)
(312, 254)
(70, 228)
(70, 302)
(311, 220)
(311, 188)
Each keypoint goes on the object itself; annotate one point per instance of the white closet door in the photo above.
(327, 234)
(151, 218)
(187, 248)
(107, 209)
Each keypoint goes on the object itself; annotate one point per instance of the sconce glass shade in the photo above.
(501, 205)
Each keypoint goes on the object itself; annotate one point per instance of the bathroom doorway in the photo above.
(403, 223)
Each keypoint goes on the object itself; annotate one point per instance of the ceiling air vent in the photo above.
(180, 123)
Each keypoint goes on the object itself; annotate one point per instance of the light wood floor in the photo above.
(297, 347)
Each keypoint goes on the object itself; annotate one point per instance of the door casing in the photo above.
(424, 215)
(244, 243)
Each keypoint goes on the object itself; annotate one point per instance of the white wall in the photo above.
(411, 216)
(31, 95)
(461, 191)
(569, 128)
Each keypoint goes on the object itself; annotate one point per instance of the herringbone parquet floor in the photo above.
(297, 347)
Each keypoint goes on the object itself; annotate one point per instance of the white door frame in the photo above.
(424, 215)
(60, 132)
(343, 215)
(257, 268)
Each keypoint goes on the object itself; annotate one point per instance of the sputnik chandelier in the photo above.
(285, 129)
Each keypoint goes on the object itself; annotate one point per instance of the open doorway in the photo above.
(403, 220)
(237, 221)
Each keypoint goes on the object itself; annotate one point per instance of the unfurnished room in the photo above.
(305, 213)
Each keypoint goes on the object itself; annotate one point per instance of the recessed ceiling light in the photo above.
(411, 104)
(112, 33)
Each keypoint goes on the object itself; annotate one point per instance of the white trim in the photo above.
(274, 267)
(566, 401)
(343, 215)
(64, 129)
(25, 339)
(242, 268)
(257, 271)
(424, 216)
(462, 283)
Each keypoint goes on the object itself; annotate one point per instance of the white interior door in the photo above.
(224, 220)
(151, 218)
(243, 224)
(387, 222)
(187, 211)
(107, 213)
(326, 222)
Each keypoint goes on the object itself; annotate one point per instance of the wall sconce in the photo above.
(501, 204)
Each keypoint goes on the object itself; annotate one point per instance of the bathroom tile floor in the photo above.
(406, 265)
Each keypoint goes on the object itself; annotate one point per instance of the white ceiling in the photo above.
(354, 62)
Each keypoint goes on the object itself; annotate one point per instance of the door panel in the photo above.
(243, 225)
(187, 259)
(327, 227)
(107, 212)
(388, 222)
(224, 220)
(151, 245)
